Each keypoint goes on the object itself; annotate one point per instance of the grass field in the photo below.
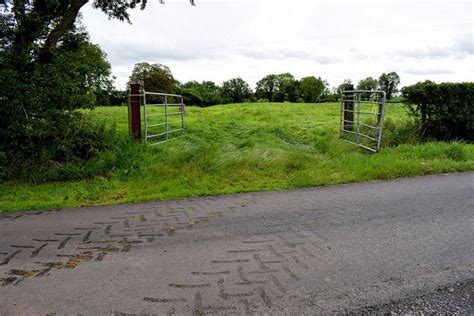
(239, 148)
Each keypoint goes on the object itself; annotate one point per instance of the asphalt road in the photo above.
(343, 248)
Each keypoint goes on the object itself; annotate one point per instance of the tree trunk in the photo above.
(67, 21)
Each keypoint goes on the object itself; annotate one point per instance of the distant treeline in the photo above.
(271, 88)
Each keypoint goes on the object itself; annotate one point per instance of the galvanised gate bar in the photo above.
(361, 118)
(163, 120)
(163, 116)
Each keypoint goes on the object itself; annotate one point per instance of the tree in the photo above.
(192, 96)
(205, 93)
(346, 85)
(266, 87)
(279, 88)
(117, 97)
(312, 88)
(52, 70)
(368, 83)
(284, 87)
(153, 77)
(290, 90)
(235, 90)
(331, 95)
(50, 20)
(38, 104)
(388, 83)
(212, 93)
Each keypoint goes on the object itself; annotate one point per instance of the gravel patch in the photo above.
(456, 299)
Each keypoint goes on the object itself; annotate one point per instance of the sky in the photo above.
(335, 40)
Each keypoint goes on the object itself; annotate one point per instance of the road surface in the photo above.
(338, 248)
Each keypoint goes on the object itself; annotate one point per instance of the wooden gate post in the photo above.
(134, 121)
(348, 116)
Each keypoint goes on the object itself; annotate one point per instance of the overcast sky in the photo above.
(220, 40)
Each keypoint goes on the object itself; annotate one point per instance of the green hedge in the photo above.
(445, 110)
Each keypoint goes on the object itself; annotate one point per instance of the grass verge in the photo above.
(238, 148)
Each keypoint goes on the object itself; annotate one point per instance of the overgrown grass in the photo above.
(239, 148)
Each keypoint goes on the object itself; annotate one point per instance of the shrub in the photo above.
(445, 111)
(396, 133)
(58, 151)
(40, 102)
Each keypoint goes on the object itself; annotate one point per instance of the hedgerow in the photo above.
(445, 110)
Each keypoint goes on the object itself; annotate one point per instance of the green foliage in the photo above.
(39, 102)
(111, 96)
(386, 82)
(203, 94)
(279, 88)
(396, 132)
(344, 86)
(389, 83)
(368, 83)
(119, 9)
(153, 77)
(272, 88)
(266, 87)
(118, 97)
(235, 91)
(286, 88)
(233, 148)
(445, 110)
(33, 29)
(289, 91)
(52, 70)
(192, 96)
(312, 89)
(60, 153)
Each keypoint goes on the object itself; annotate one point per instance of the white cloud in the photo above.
(462, 47)
(424, 72)
(219, 40)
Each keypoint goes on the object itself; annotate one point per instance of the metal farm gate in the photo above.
(361, 120)
(163, 116)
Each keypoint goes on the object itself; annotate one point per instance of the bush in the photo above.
(445, 111)
(396, 133)
(59, 151)
(40, 102)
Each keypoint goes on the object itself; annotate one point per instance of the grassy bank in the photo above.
(238, 148)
